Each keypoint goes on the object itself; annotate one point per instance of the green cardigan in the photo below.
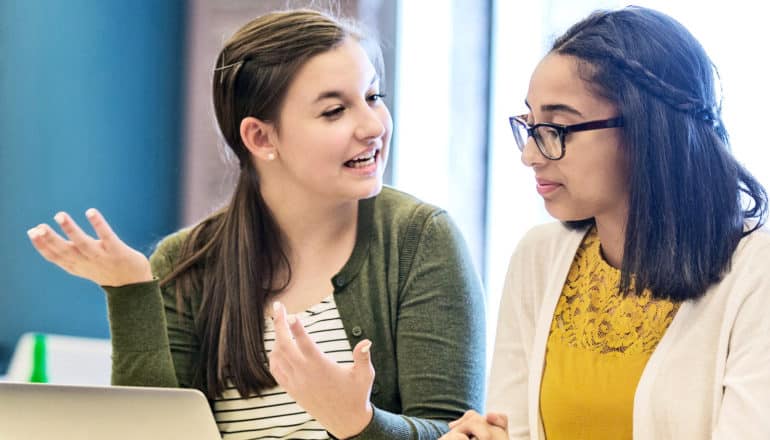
(409, 286)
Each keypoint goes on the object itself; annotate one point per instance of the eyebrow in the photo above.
(336, 94)
(553, 108)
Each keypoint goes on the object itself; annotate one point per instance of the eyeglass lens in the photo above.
(547, 139)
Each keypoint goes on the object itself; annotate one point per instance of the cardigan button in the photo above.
(338, 282)
(357, 331)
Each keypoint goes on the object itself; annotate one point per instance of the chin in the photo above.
(564, 214)
(359, 190)
(372, 191)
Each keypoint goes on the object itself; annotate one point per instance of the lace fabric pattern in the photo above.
(593, 315)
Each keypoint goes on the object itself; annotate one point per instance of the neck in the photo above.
(612, 236)
(310, 224)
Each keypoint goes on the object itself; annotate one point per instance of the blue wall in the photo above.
(90, 115)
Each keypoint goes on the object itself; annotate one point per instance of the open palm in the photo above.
(105, 260)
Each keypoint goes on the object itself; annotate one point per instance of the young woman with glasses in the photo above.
(283, 305)
(642, 313)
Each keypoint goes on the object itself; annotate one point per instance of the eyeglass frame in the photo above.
(561, 129)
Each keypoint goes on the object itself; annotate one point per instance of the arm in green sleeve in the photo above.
(153, 344)
(440, 339)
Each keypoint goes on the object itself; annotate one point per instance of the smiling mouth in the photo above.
(363, 160)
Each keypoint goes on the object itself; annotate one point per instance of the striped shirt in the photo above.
(275, 415)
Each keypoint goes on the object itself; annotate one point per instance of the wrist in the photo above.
(141, 275)
(357, 425)
(147, 274)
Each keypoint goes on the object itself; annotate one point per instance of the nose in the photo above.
(531, 155)
(372, 123)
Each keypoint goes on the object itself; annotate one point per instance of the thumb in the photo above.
(497, 419)
(362, 359)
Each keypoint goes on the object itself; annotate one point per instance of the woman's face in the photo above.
(334, 129)
(590, 180)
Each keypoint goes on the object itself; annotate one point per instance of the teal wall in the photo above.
(90, 116)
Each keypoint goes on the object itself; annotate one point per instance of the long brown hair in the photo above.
(237, 257)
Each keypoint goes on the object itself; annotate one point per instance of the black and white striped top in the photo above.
(275, 415)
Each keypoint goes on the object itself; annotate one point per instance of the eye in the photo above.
(549, 133)
(374, 97)
(333, 113)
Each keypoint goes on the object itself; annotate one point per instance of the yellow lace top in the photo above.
(598, 346)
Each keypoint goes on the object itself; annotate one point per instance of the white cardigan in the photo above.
(708, 378)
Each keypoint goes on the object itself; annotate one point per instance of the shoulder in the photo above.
(538, 268)
(756, 243)
(743, 294)
(549, 240)
(416, 227)
(167, 251)
(746, 281)
(170, 249)
(751, 256)
(544, 233)
(543, 256)
(394, 203)
(394, 209)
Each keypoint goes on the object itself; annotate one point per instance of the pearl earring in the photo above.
(270, 156)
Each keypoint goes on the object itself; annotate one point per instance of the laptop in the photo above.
(68, 412)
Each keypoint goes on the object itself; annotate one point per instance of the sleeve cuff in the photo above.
(137, 317)
(384, 425)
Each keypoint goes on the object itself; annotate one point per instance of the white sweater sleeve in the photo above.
(507, 388)
(745, 410)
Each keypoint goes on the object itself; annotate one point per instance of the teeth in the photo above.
(365, 156)
(360, 163)
(363, 160)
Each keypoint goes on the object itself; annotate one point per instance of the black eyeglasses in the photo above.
(549, 137)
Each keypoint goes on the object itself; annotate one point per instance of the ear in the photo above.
(259, 138)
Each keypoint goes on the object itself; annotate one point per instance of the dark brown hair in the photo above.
(237, 257)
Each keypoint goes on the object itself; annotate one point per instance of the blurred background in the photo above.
(106, 103)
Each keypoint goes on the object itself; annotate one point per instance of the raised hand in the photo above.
(335, 395)
(105, 260)
(473, 425)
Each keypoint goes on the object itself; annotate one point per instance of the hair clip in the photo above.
(229, 65)
(236, 64)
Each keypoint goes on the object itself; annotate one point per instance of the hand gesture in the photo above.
(473, 425)
(105, 260)
(335, 395)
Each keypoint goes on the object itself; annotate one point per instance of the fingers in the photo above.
(84, 243)
(497, 419)
(278, 368)
(473, 425)
(101, 227)
(49, 244)
(454, 435)
(468, 415)
(362, 359)
(283, 337)
(304, 342)
(285, 347)
(288, 354)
